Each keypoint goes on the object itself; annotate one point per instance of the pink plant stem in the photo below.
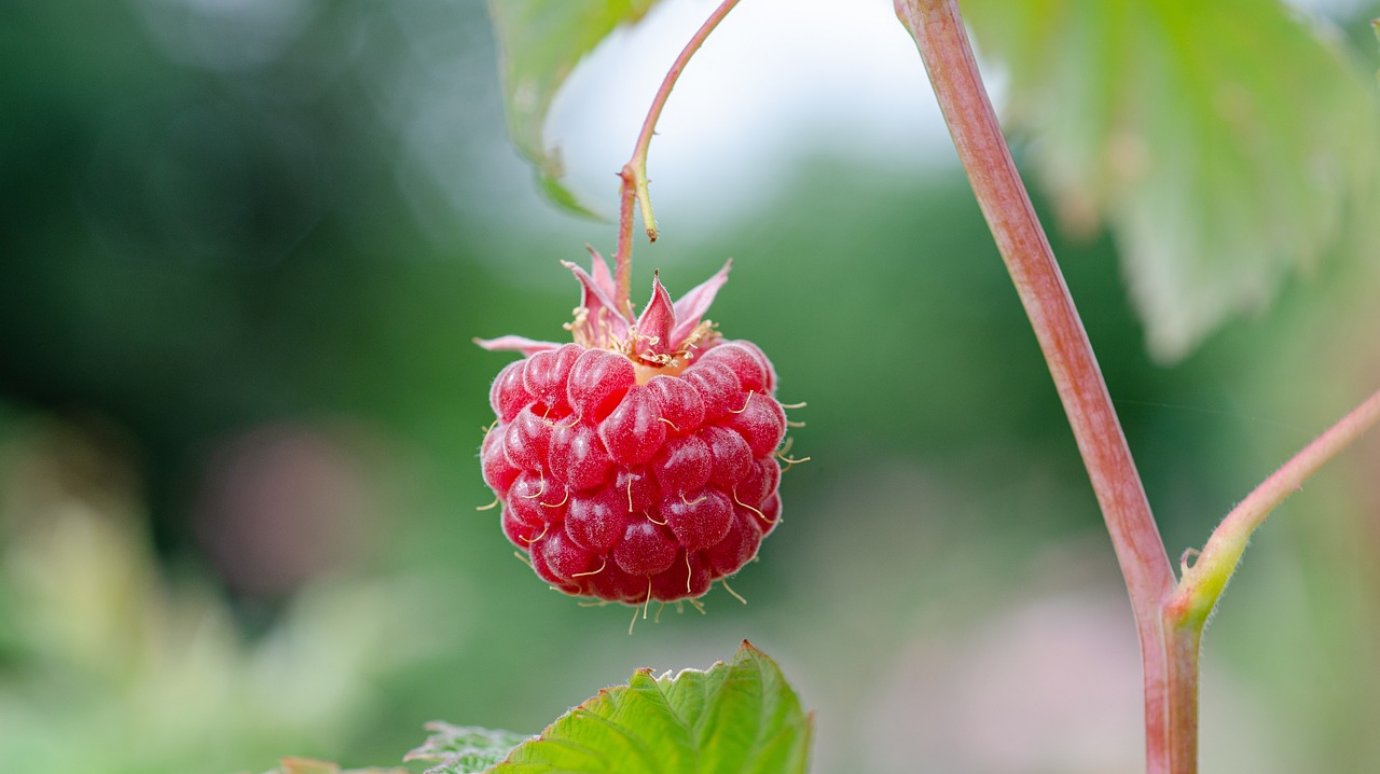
(938, 31)
(1203, 583)
(622, 259)
(1182, 643)
(634, 173)
(1187, 609)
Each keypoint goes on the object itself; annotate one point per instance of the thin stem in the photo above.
(622, 259)
(1203, 583)
(1182, 644)
(638, 162)
(1187, 610)
(938, 31)
(634, 173)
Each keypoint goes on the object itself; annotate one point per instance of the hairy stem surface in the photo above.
(938, 31)
(1187, 610)
(1203, 583)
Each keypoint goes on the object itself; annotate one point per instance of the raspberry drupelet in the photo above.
(639, 462)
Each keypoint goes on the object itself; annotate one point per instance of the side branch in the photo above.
(1187, 610)
(943, 43)
(1203, 583)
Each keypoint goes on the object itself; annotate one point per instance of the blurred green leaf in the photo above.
(1221, 141)
(463, 749)
(540, 43)
(737, 717)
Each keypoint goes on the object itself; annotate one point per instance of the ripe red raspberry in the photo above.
(637, 463)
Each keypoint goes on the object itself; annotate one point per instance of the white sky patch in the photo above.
(780, 80)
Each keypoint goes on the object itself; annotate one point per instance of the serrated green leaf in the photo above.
(540, 42)
(464, 749)
(736, 718)
(1222, 142)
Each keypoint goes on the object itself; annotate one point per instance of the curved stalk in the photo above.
(1186, 611)
(1203, 583)
(938, 31)
(633, 176)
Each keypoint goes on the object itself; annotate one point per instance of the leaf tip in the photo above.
(563, 197)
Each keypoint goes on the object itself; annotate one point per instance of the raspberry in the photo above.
(637, 463)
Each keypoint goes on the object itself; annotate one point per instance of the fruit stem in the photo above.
(622, 259)
(938, 31)
(1187, 609)
(635, 184)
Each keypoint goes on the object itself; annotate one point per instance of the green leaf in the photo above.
(464, 749)
(736, 718)
(540, 42)
(1222, 142)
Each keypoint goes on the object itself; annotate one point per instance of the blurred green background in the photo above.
(240, 413)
